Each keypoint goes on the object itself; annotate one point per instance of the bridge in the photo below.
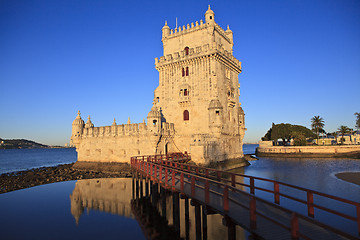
(281, 215)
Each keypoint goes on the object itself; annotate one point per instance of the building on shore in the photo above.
(196, 106)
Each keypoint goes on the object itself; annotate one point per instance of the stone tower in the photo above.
(199, 90)
(195, 109)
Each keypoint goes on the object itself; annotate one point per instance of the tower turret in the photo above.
(165, 31)
(215, 115)
(154, 120)
(209, 16)
(77, 130)
(229, 33)
(89, 124)
(77, 126)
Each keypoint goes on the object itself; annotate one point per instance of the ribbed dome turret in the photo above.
(166, 26)
(78, 120)
(165, 30)
(209, 16)
(228, 30)
(89, 124)
(154, 113)
(215, 104)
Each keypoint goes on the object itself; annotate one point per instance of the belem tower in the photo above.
(195, 109)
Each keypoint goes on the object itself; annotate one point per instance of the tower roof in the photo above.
(166, 26)
(209, 11)
(78, 120)
(89, 124)
(215, 104)
(154, 113)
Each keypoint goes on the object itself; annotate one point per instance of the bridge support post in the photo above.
(176, 212)
(231, 226)
(133, 186)
(163, 202)
(187, 225)
(204, 222)
(155, 193)
(147, 188)
(197, 220)
(137, 187)
(141, 187)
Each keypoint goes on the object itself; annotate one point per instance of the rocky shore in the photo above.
(38, 176)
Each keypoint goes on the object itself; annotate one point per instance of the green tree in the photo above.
(299, 139)
(317, 125)
(343, 130)
(357, 123)
(286, 132)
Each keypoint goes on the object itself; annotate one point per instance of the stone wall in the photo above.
(264, 150)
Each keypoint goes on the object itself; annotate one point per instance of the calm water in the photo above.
(12, 160)
(92, 209)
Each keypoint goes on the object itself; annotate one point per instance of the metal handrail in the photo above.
(199, 172)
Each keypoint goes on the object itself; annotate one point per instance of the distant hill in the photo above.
(20, 144)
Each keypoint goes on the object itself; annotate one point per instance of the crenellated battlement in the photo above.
(190, 28)
(196, 52)
(125, 130)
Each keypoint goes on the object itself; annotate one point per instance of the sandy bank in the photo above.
(353, 177)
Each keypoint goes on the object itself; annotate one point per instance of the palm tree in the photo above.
(343, 130)
(335, 134)
(317, 125)
(357, 124)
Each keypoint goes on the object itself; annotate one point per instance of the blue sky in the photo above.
(300, 58)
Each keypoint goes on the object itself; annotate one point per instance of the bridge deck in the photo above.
(262, 218)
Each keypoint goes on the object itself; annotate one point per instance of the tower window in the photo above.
(185, 92)
(217, 112)
(183, 72)
(186, 115)
(187, 71)
(210, 17)
(186, 51)
(154, 122)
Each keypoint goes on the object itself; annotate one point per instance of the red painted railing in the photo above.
(155, 166)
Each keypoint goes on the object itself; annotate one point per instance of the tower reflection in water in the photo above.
(161, 214)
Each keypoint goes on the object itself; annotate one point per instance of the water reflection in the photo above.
(161, 214)
(107, 195)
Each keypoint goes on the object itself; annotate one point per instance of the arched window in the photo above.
(186, 50)
(185, 92)
(186, 115)
(187, 71)
(183, 72)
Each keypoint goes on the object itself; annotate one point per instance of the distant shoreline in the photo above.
(266, 149)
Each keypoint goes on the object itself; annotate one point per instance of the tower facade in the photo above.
(195, 109)
(199, 89)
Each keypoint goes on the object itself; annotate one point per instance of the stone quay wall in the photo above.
(266, 149)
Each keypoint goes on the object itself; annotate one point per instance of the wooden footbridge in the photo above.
(228, 194)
